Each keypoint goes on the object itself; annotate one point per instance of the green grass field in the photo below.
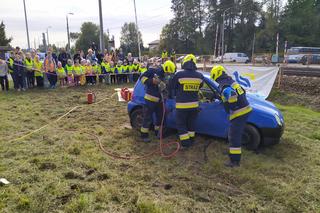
(56, 170)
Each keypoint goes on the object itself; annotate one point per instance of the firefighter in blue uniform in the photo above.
(237, 105)
(186, 85)
(156, 80)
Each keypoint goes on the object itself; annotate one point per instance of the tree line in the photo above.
(197, 25)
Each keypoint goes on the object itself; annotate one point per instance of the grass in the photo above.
(56, 170)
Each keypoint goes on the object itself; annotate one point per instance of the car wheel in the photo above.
(136, 118)
(251, 138)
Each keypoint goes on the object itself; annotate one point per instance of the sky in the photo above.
(152, 16)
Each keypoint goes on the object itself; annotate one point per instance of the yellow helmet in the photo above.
(169, 67)
(216, 72)
(189, 57)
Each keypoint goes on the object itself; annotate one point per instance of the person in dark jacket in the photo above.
(63, 57)
(237, 106)
(153, 101)
(77, 56)
(156, 80)
(19, 73)
(187, 84)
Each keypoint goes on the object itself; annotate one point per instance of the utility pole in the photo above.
(138, 36)
(26, 19)
(253, 43)
(222, 32)
(101, 28)
(48, 35)
(68, 49)
(44, 41)
(216, 41)
(277, 45)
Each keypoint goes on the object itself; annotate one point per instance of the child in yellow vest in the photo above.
(83, 72)
(89, 73)
(61, 74)
(97, 71)
(69, 69)
(77, 72)
(38, 72)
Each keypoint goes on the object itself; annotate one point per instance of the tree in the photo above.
(74, 36)
(300, 22)
(89, 33)
(4, 41)
(129, 39)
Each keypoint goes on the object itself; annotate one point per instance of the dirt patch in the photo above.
(47, 166)
(73, 175)
(297, 90)
(301, 84)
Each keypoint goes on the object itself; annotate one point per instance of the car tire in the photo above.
(136, 118)
(251, 138)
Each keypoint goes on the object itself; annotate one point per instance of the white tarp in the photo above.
(255, 79)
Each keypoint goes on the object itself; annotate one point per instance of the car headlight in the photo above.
(278, 119)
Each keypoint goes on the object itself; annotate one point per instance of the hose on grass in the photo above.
(160, 150)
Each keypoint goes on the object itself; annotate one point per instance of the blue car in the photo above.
(265, 124)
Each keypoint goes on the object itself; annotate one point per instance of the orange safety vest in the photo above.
(48, 67)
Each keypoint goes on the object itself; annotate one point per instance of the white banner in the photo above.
(256, 80)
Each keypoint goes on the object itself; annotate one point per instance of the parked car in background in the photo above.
(295, 58)
(235, 57)
(310, 59)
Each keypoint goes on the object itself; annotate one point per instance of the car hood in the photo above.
(258, 103)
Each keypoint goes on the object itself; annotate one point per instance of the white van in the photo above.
(235, 57)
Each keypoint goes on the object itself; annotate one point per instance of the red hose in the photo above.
(160, 150)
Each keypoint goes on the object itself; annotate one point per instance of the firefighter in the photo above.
(237, 105)
(153, 103)
(186, 85)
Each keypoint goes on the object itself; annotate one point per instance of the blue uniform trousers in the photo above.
(150, 108)
(236, 129)
(185, 122)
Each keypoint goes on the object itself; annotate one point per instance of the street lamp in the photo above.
(135, 13)
(48, 35)
(222, 42)
(101, 27)
(26, 20)
(68, 31)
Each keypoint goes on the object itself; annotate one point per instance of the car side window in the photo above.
(207, 94)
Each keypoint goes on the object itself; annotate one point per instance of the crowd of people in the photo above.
(28, 71)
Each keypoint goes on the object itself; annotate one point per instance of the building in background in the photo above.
(154, 45)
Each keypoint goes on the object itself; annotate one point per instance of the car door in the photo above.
(212, 118)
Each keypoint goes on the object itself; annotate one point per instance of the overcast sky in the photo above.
(152, 16)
